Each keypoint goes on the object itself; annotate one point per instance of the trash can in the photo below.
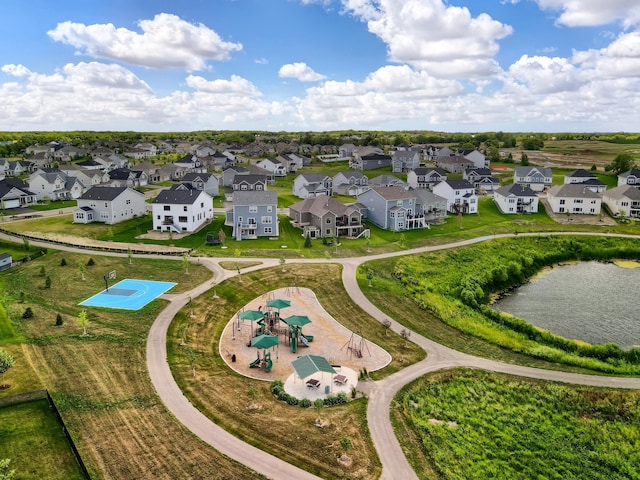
(233, 358)
(327, 389)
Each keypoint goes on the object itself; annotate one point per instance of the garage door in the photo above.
(15, 203)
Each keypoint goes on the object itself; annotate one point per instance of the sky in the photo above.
(320, 65)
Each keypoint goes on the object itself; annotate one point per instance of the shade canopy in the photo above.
(278, 303)
(264, 341)
(296, 320)
(307, 365)
(252, 315)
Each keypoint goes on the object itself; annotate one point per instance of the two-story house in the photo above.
(325, 217)
(574, 198)
(404, 160)
(481, 179)
(460, 195)
(350, 183)
(253, 214)
(370, 161)
(273, 165)
(109, 205)
(207, 182)
(623, 200)
(536, 178)
(586, 179)
(453, 163)
(425, 177)
(391, 208)
(431, 206)
(15, 193)
(55, 186)
(123, 177)
(181, 210)
(249, 182)
(516, 198)
(308, 185)
(631, 177)
(476, 156)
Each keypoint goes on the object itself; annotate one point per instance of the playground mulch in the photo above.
(331, 340)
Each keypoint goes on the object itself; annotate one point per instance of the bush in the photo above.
(47, 282)
(28, 313)
(63, 262)
(305, 403)
(59, 320)
(91, 263)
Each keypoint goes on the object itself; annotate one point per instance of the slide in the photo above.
(255, 363)
(294, 345)
(303, 340)
(308, 337)
(268, 364)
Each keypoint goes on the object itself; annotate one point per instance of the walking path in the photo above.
(380, 393)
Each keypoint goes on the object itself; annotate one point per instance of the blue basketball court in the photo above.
(129, 294)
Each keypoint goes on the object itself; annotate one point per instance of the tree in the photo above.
(405, 334)
(28, 313)
(282, 261)
(81, 268)
(370, 274)
(387, 325)
(47, 282)
(222, 236)
(130, 255)
(493, 154)
(237, 254)
(59, 320)
(346, 444)
(6, 362)
(25, 244)
(63, 262)
(622, 163)
(307, 241)
(83, 321)
(91, 262)
(5, 473)
(43, 271)
(524, 160)
(185, 262)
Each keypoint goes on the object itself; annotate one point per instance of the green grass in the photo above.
(466, 424)
(54, 205)
(32, 438)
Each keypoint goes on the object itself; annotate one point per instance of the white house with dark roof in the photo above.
(478, 158)
(253, 214)
(274, 165)
(425, 177)
(574, 198)
(15, 193)
(181, 210)
(460, 195)
(55, 186)
(536, 178)
(514, 198)
(481, 179)
(585, 178)
(391, 208)
(631, 177)
(431, 206)
(623, 200)
(109, 205)
(5, 261)
(307, 185)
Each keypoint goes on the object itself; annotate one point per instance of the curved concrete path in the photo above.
(394, 462)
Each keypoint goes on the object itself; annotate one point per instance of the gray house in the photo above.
(536, 178)
(206, 182)
(424, 177)
(253, 214)
(5, 261)
(391, 208)
(431, 206)
(324, 217)
(109, 205)
(312, 184)
(350, 183)
(405, 160)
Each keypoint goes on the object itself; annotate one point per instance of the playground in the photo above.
(263, 341)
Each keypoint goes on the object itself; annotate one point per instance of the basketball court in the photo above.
(128, 294)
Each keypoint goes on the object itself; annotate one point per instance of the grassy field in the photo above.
(465, 424)
(247, 408)
(30, 431)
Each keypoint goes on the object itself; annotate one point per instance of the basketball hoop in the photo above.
(112, 275)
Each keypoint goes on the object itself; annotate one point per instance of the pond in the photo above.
(590, 301)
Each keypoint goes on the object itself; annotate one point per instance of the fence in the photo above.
(42, 395)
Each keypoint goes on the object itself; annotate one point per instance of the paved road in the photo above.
(381, 393)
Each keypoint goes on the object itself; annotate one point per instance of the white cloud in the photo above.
(16, 70)
(236, 86)
(166, 41)
(583, 13)
(429, 35)
(300, 71)
(547, 75)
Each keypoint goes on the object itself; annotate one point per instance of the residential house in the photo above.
(481, 179)
(585, 178)
(150, 170)
(137, 153)
(55, 185)
(516, 198)
(249, 182)
(292, 162)
(206, 182)
(68, 153)
(391, 208)
(273, 165)
(404, 160)
(387, 180)
(5, 261)
(453, 163)
(15, 193)
(574, 198)
(218, 161)
(90, 164)
(190, 163)
(435, 153)
(172, 172)
(204, 150)
(4, 166)
(308, 185)
(326, 217)
(124, 177)
(253, 214)
(228, 174)
(476, 156)
(431, 206)
(181, 210)
(623, 200)
(460, 195)
(350, 183)
(370, 161)
(89, 178)
(149, 147)
(425, 178)
(536, 178)
(20, 167)
(346, 150)
(632, 177)
(109, 205)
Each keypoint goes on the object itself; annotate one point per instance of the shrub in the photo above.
(305, 403)
(28, 313)
(47, 282)
(59, 320)
(91, 263)
(63, 262)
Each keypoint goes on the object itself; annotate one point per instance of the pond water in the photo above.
(590, 301)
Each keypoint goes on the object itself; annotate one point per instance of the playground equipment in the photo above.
(256, 363)
(356, 347)
(303, 340)
(268, 364)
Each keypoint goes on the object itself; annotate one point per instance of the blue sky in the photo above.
(315, 65)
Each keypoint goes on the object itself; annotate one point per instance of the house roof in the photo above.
(428, 170)
(580, 173)
(313, 177)
(631, 173)
(104, 193)
(254, 197)
(455, 159)
(178, 197)
(526, 171)
(120, 174)
(623, 191)
(393, 193)
(350, 174)
(318, 206)
(386, 180)
(459, 184)
(484, 172)
(572, 190)
(4, 256)
(192, 177)
(251, 178)
(516, 190)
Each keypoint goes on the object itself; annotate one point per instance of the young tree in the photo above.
(307, 241)
(5, 473)
(524, 160)
(222, 236)
(405, 334)
(185, 263)
(130, 255)
(237, 254)
(63, 262)
(47, 282)
(28, 313)
(59, 320)
(346, 444)
(83, 321)
(25, 244)
(387, 325)
(282, 261)
(370, 274)
(91, 262)
(43, 271)
(6, 362)
(81, 268)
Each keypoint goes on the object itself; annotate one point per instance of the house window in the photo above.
(183, 219)
(251, 221)
(329, 220)
(128, 202)
(104, 215)
(328, 232)
(201, 204)
(259, 187)
(184, 209)
(106, 205)
(166, 208)
(253, 209)
(268, 230)
(266, 219)
(562, 202)
(561, 210)
(243, 186)
(400, 225)
(512, 200)
(269, 208)
(577, 200)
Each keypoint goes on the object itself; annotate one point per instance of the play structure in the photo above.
(264, 362)
(356, 347)
(296, 338)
